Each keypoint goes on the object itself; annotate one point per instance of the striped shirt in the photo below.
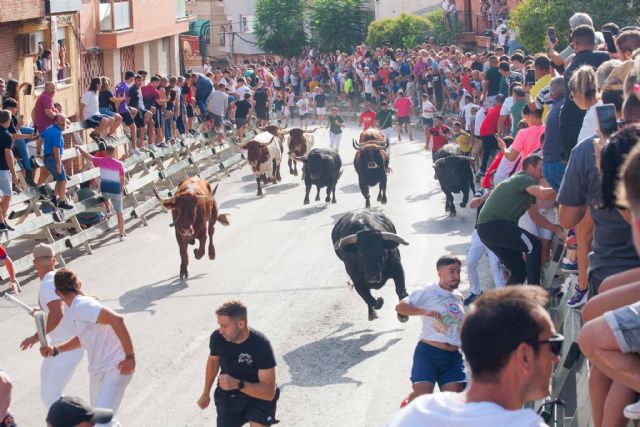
(110, 172)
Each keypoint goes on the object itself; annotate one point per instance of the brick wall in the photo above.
(8, 51)
(19, 10)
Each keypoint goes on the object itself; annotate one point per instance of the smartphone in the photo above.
(530, 78)
(551, 33)
(28, 89)
(607, 120)
(608, 38)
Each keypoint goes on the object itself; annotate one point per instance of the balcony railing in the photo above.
(115, 15)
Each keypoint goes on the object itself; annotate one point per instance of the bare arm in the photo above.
(542, 193)
(211, 372)
(543, 222)
(476, 202)
(501, 121)
(265, 389)
(570, 216)
(406, 309)
(50, 112)
(108, 317)
(84, 153)
(8, 155)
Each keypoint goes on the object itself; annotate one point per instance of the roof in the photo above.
(200, 27)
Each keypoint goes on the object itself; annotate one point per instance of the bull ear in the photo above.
(169, 205)
(390, 244)
(350, 248)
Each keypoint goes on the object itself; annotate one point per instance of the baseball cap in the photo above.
(69, 411)
(42, 250)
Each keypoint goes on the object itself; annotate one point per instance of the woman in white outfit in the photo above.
(105, 337)
(55, 373)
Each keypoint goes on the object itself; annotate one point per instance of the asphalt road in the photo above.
(335, 368)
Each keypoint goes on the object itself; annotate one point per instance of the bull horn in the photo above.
(394, 238)
(471, 159)
(161, 200)
(301, 158)
(356, 145)
(311, 131)
(386, 143)
(438, 162)
(204, 198)
(349, 240)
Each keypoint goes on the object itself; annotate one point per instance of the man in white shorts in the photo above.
(106, 338)
(55, 373)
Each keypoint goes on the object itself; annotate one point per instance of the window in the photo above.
(63, 73)
(223, 35)
(44, 64)
(181, 9)
(115, 15)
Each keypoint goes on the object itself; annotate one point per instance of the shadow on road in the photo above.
(459, 249)
(143, 298)
(351, 188)
(233, 203)
(328, 360)
(412, 198)
(443, 225)
(304, 212)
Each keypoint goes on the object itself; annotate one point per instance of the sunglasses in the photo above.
(555, 344)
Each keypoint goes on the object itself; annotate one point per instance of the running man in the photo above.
(384, 119)
(404, 107)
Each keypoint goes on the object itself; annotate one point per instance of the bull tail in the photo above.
(223, 219)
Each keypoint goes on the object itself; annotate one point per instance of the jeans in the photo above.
(474, 254)
(553, 173)
(55, 374)
(168, 127)
(21, 145)
(509, 242)
(107, 390)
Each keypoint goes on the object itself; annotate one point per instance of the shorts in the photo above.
(236, 409)
(217, 120)
(240, 123)
(127, 118)
(427, 122)
(434, 365)
(106, 112)
(367, 97)
(5, 183)
(190, 112)
(158, 118)
(303, 116)
(115, 199)
(624, 322)
(94, 121)
(321, 111)
(526, 223)
(262, 113)
(139, 118)
(404, 120)
(50, 164)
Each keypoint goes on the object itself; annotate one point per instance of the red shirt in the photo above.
(368, 118)
(40, 118)
(466, 83)
(439, 141)
(490, 124)
(403, 106)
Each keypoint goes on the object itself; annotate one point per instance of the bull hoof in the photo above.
(334, 201)
(306, 201)
(278, 178)
(259, 194)
(184, 275)
(379, 303)
(327, 199)
(197, 254)
(384, 200)
(317, 198)
(212, 253)
(402, 318)
(463, 205)
(373, 315)
(192, 241)
(452, 214)
(295, 173)
(446, 208)
(379, 197)
(367, 204)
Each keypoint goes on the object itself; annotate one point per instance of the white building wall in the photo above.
(391, 8)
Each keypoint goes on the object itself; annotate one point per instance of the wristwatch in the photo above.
(240, 385)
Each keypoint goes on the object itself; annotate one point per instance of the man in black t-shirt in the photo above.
(261, 100)
(320, 102)
(246, 391)
(241, 115)
(7, 167)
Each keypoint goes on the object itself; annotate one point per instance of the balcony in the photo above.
(115, 15)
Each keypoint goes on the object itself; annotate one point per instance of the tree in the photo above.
(279, 26)
(532, 17)
(338, 24)
(410, 30)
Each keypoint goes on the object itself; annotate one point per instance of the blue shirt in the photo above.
(552, 150)
(52, 137)
(204, 86)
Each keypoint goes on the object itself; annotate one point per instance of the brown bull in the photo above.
(195, 212)
(370, 136)
(300, 144)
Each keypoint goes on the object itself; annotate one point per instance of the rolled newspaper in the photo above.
(17, 302)
(41, 328)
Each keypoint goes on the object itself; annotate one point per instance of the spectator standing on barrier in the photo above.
(53, 143)
(512, 347)
(553, 165)
(491, 83)
(203, 87)
(242, 115)
(6, 388)
(75, 412)
(106, 338)
(44, 112)
(488, 131)
(143, 117)
(437, 358)
(55, 373)
(8, 173)
(243, 361)
(124, 109)
(20, 138)
(336, 123)
(498, 222)
(111, 182)
(217, 104)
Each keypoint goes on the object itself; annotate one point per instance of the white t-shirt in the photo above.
(479, 119)
(468, 116)
(451, 309)
(590, 123)
(242, 90)
(368, 85)
(47, 293)
(101, 342)
(505, 110)
(91, 105)
(303, 106)
(502, 34)
(427, 105)
(447, 409)
(504, 169)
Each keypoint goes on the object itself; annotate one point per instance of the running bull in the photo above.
(195, 213)
(372, 163)
(264, 155)
(453, 171)
(300, 144)
(323, 168)
(367, 243)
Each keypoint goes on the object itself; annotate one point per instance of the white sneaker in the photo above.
(123, 237)
(632, 411)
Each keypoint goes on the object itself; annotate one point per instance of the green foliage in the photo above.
(410, 30)
(338, 24)
(279, 26)
(532, 17)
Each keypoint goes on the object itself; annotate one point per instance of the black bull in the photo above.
(323, 168)
(453, 172)
(371, 163)
(367, 243)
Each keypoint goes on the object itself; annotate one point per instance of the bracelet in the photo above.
(131, 356)
(55, 351)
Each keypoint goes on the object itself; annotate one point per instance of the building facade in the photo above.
(391, 8)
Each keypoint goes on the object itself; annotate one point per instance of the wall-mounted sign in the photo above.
(62, 6)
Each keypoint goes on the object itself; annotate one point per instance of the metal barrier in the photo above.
(35, 218)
